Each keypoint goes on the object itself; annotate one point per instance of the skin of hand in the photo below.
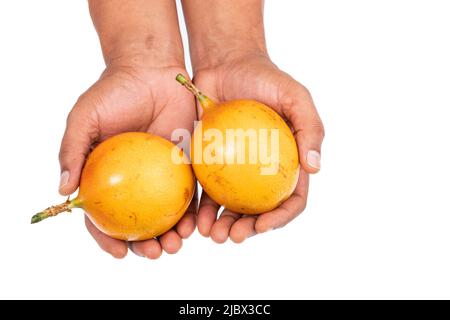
(134, 93)
(230, 61)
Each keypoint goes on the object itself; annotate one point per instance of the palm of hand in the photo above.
(130, 100)
(259, 79)
(139, 100)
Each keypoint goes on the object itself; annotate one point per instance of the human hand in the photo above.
(230, 61)
(254, 76)
(127, 98)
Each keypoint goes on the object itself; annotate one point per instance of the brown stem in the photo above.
(204, 100)
(54, 210)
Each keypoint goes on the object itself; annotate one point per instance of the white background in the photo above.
(378, 218)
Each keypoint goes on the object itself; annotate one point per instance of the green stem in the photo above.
(204, 100)
(55, 210)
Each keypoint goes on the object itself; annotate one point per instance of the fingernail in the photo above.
(313, 159)
(64, 179)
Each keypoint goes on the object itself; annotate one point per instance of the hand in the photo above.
(128, 98)
(256, 77)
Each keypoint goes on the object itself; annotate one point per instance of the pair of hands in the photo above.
(137, 98)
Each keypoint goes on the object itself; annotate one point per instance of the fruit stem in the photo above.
(55, 210)
(204, 100)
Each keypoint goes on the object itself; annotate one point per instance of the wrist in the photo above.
(211, 55)
(138, 33)
(148, 51)
(225, 31)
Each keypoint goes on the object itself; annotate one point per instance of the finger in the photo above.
(288, 210)
(117, 248)
(207, 214)
(148, 248)
(78, 137)
(221, 228)
(186, 225)
(171, 242)
(242, 229)
(299, 109)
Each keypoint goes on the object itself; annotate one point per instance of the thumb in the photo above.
(75, 146)
(308, 128)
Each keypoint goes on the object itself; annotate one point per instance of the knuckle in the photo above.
(296, 96)
(304, 92)
(70, 116)
(320, 129)
(288, 102)
(63, 154)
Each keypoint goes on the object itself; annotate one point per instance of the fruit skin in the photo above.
(130, 188)
(241, 187)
